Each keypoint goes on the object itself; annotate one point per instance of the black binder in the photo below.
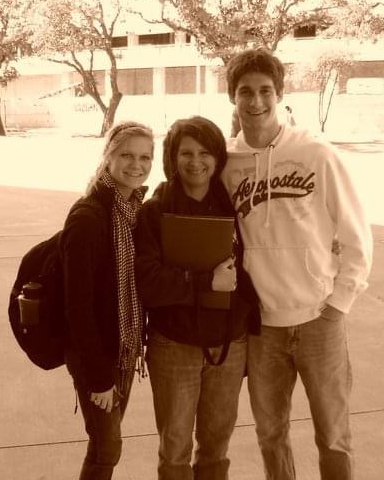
(198, 244)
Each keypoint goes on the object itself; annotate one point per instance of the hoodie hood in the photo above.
(238, 144)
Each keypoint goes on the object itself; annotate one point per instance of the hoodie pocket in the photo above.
(285, 277)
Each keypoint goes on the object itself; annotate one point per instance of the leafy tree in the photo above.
(74, 33)
(12, 39)
(324, 70)
(223, 27)
(352, 19)
(361, 19)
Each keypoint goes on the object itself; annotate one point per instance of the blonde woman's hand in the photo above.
(224, 276)
(104, 400)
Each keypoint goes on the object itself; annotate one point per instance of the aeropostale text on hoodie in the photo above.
(294, 199)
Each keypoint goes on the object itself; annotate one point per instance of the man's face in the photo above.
(256, 99)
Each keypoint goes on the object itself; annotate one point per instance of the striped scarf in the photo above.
(130, 310)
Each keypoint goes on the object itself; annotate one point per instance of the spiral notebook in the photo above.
(198, 244)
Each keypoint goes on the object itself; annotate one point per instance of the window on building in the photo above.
(305, 31)
(180, 80)
(118, 42)
(157, 39)
(366, 86)
(135, 81)
(222, 80)
(202, 79)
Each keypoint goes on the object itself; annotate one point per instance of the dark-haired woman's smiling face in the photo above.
(195, 166)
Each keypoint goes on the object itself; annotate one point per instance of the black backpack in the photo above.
(41, 274)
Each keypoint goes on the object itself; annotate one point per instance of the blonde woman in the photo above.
(103, 313)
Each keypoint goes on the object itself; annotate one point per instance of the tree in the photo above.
(74, 33)
(225, 26)
(12, 39)
(360, 19)
(324, 71)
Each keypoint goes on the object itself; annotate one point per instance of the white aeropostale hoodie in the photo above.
(293, 199)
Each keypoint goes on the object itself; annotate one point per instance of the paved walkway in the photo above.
(41, 438)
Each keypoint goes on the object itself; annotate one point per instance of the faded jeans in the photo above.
(105, 444)
(317, 350)
(187, 389)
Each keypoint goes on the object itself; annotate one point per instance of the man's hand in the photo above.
(332, 313)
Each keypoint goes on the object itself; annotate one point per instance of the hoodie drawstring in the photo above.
(269, 174)
(268, 212)
(257, 166)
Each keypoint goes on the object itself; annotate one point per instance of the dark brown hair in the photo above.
(258, 60)
(203, 131)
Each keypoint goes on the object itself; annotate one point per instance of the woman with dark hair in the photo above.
(103, 313)
(191, 380)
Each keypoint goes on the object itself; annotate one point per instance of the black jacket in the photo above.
(167, 292)
(90, 287)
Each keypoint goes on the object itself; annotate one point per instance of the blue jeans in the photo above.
(187, 389)
(317, 350)
(104, 446)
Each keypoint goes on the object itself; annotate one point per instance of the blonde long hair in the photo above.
(117, 135)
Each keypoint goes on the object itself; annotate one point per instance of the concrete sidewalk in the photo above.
(41, 438)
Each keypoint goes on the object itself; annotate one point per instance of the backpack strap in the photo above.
(223, 354)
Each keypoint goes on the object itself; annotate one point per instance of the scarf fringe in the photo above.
(126, 376)
(132, 364)
(141, 367)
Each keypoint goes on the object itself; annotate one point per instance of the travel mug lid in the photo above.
(32, 290)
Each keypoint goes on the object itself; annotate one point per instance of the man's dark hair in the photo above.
(258, 60)
(207, 133)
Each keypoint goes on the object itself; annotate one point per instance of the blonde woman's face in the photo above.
(130, 164)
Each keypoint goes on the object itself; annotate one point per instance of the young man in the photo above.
(294, 198)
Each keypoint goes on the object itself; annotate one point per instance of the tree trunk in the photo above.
(110, 113)
(330, 97)
(2, 129)
(320, 107)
